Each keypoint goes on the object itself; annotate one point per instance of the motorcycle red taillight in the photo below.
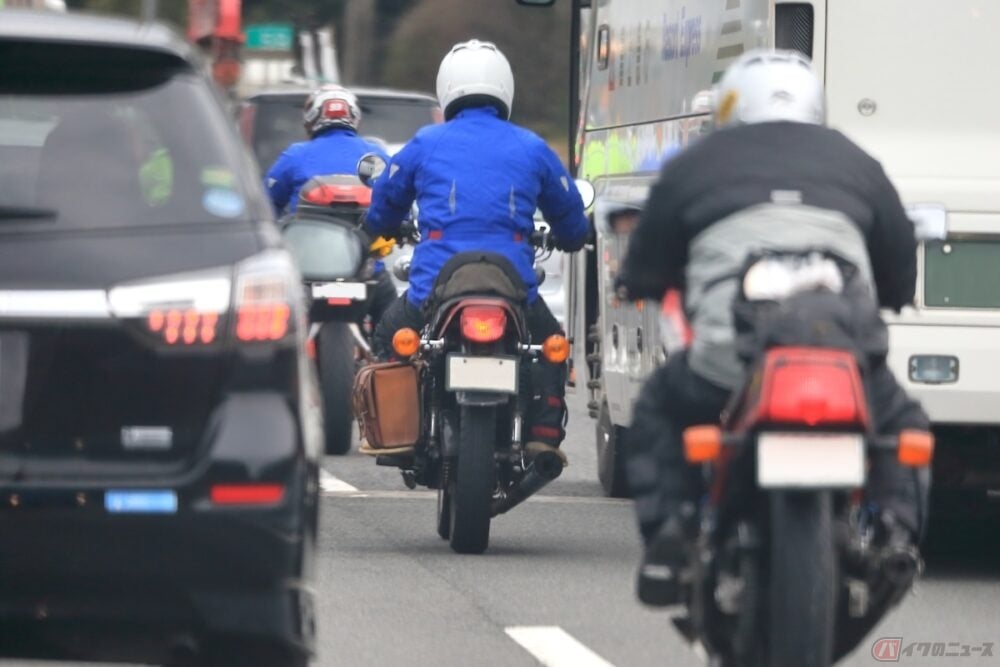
(811, 386)
(483, 324)
(328, 194)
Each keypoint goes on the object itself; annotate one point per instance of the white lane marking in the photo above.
(554, 647)
(331, 484)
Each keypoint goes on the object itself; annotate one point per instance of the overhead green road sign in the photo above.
(269, 37)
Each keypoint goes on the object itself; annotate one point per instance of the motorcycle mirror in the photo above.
(540, 274)
(401, 269)
(587, 193)
(370, 167)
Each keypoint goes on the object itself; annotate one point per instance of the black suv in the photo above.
(159, 424)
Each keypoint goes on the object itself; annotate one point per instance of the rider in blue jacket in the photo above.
(331, 117)
(477, 180)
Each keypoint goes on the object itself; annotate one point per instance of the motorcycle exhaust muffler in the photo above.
(544, 468)
(902, 566)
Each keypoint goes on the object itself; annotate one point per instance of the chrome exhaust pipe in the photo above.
(544, 468)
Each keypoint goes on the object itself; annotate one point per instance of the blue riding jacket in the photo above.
(335, 151)
(477, 180)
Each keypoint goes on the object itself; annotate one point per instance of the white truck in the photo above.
(913, 82)
(910, 81)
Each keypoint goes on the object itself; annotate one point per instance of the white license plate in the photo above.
(810, 461)
(481, 374)
(356, 291)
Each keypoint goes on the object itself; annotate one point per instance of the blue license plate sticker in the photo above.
(140, 502)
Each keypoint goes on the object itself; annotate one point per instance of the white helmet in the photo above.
(473, 72)
(330, 106)
(764, 86)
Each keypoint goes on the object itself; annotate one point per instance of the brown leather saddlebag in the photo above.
(387, 404)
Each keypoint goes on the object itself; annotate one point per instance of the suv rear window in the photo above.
(278, 122)
(94, 137)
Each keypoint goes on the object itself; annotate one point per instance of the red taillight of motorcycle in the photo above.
(184, 327)
(327, 194)
(811, 386)
(483, 324)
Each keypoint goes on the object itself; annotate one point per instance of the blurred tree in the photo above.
(172, 11)
(400, 43)
(535, 41)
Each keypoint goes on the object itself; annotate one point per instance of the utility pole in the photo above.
(149, 10)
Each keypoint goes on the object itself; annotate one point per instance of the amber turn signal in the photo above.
(916, 448)
(702, 443)
(406, 342)
(555, 349)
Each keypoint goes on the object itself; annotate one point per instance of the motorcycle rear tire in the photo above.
(803, 580)
(471, 489)
(335, 352)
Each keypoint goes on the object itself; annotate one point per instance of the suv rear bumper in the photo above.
(203, 571)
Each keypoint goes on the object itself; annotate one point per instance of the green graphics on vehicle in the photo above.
(270, 37)
(156, 176)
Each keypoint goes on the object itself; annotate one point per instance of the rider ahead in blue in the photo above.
(331, 117)
(477, 180)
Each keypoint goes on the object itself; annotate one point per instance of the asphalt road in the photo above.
(556, 586)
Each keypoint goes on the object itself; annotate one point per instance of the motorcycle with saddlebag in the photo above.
(451, 411)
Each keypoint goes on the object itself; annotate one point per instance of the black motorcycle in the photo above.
(787, 544)
(336, 263)
(474, 360)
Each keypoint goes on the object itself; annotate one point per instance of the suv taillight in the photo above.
(181, 310)
(263, 298)
(190, 310)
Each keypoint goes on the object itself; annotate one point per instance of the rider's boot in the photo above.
(661, 574)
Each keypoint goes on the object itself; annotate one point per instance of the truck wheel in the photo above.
(610, 455)
(335, 356)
